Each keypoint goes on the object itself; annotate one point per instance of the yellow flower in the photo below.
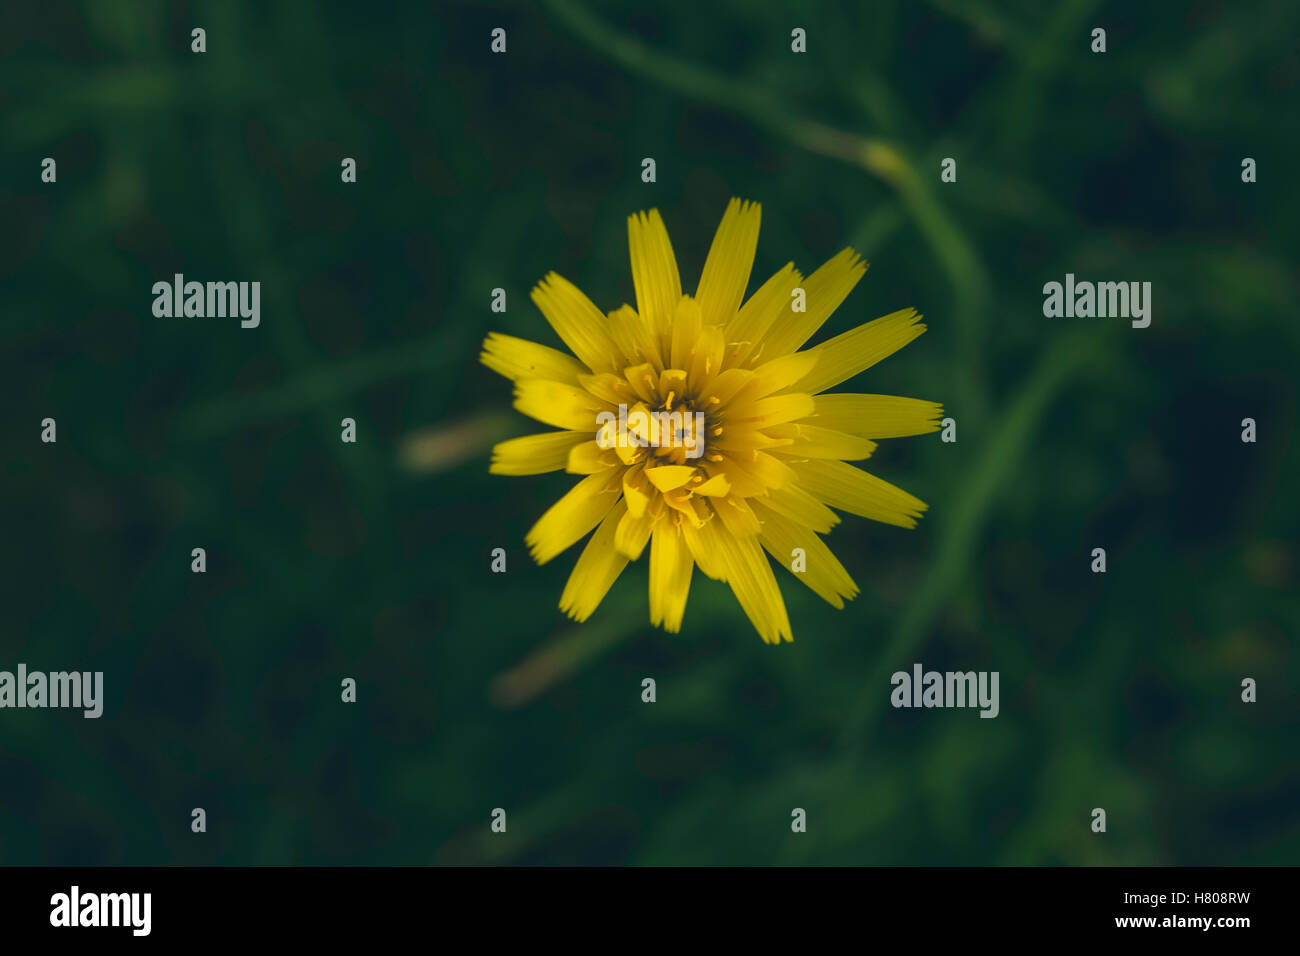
(701, 428)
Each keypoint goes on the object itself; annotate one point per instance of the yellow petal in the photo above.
(576, 321)
(858, 349)
(717, 485)
(741, 439)
(687, 323)
(597, 569)
(587, 459)
(781, 373)
(812, 441)
(654, 270)
(693, 512)
(710, 349)
(741, 482)
(751, 579)
(634, 338)
(730, 260)
(632, 534)
(802, 508)
(853, 490)
(629, 452)
(877, 416)
(644, 380)
(671, 565)
(518, 358)
(704, 548)
(737, 517)
(745, 332)
(672, 380)
(608, 387)
(570, 518)
(763, 468)
(723, 388)
(774, 409)
(670, 477)
(534, 454)
(558, 404)
(825, 289)
(636, 491)
(821, 570)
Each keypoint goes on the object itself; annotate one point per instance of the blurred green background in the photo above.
(371, 560)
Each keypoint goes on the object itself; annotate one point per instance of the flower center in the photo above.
(680, 431)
